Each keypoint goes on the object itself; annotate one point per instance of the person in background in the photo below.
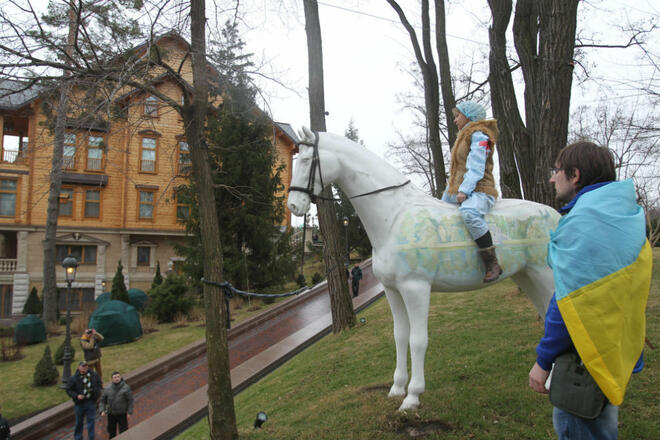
(471, 184)
(84, 388)
(89, 342)
(356, 276)
(117, 404)
(601, 263)
(4, 427)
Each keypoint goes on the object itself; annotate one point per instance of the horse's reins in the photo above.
(309, 190)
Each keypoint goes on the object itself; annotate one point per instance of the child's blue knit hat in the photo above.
(472, 110)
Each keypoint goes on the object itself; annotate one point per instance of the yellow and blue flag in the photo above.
(601, 262)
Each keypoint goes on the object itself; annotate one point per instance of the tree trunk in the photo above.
(547, 70)
(513, 135)
(341, 304)
(221, 414)
(431, 89)
(49, 293)
(448, 99)
(548, 74)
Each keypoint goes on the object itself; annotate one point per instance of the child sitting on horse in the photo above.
(471, 183)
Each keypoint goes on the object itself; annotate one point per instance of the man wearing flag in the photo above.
(601, 264)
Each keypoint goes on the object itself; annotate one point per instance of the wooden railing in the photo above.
(148, 165)
(94, 163)
(7, 264)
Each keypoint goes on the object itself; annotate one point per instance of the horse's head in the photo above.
(306, 181)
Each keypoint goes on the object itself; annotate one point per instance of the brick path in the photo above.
(158, 395)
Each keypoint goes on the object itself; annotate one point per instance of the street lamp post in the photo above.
(348, 257)
(69, 264)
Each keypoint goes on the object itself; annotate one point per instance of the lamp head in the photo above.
(345, 221)
(70, 264)
(260, 420)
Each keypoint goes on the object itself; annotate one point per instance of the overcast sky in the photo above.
(366, 54)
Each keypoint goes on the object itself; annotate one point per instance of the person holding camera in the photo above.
(89, 342)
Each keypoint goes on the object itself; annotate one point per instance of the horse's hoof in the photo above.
(396, 391)
(409, 403)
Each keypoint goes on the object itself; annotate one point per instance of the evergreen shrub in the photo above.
(300, 280)
(33, 305)
(158, 278)
(45, 374)
(119, 291)
(317, 278)
(170, 299)
(59, 354)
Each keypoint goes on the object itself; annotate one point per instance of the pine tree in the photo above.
(247, 179)
(45, 374)
(158, 278)
(119, 291)
(33, 304)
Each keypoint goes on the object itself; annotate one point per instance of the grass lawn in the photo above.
(481, 347)
(19, 398)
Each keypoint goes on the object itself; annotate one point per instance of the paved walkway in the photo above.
(175, 385)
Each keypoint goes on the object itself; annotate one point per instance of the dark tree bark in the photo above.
(221, 413)
(49, 292)
(547, 70)
(446, 87)
(343, 315)
(431, 88)
(513, 133)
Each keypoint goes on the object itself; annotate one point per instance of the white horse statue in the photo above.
(420, 243)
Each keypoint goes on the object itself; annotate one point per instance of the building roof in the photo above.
(288, 131)
(17, 94)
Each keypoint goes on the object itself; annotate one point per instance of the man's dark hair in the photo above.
(115, 372)
(596, 164)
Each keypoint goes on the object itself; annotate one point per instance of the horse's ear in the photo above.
(307, 134)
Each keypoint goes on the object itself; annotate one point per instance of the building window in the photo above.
(182, 207)
(69, 152)
(184, 163)
(92, 203)
(80, 298)
(146, 205)
(143, 256)
(7, 198)
(82, 254)
(66, 202)
(151, 107)
(94, 153)
(148, 155)
(6, 300)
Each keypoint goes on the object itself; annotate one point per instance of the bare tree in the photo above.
(341, 304)
(425, 60)
(95, 59)
(544, 37)
(633, 137)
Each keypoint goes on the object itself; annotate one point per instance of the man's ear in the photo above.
(576, 177)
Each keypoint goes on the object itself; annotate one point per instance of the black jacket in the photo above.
(4, 429)
(74, 386)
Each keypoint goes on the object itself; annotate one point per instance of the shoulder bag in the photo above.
(572, 389)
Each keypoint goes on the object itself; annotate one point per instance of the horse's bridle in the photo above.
(309, 190)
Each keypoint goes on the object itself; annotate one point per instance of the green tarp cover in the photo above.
(103, 298)
(117, 321)
(137, 298)
(30, 330)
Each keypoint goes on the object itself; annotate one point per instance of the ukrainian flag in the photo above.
(601, 263)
